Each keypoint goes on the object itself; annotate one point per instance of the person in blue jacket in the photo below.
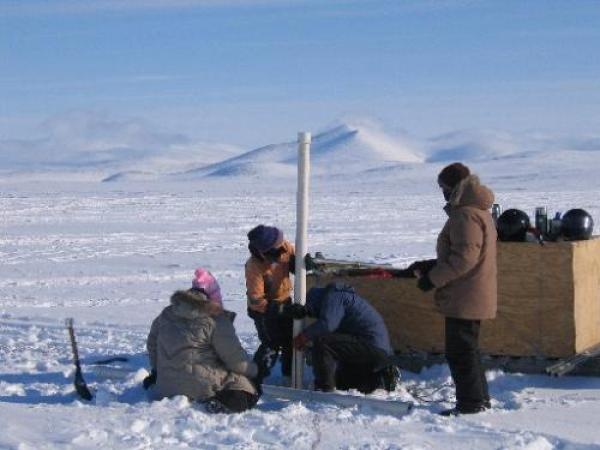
(350, 342)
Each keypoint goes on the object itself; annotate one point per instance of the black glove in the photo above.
(294, 311)
(423, 266)
(229, 314)
(310, 263)
(425, 283)
(275, 309)
(264, 358)
(150, 379)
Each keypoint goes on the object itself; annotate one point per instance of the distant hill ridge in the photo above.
(343, 148)
(95, 145)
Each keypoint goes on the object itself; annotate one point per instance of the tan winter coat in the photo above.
(465, 274)
(193, 347)
(269, 281)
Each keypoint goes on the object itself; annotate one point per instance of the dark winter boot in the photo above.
(230, 401)
(390, 377)
(459, 410)
(215, 406)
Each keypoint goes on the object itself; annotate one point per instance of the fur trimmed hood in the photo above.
(190, 305)
(470, 192)
(465, 273)
(194, 349)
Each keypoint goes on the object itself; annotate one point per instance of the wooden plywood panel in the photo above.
(548, 303)
(586, 273)
(535, 301)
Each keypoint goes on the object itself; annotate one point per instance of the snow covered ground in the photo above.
(110, 255)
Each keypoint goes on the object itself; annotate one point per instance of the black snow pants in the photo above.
(275, 333)
(344, 362)
(464, 360)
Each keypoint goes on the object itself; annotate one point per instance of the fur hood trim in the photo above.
(470, 192)
(193, 304)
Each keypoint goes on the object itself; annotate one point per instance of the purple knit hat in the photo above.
(263, 238)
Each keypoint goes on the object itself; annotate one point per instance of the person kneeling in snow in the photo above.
(194, 351)
(350, 342)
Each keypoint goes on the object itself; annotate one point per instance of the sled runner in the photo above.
(566, 365)
(390, 407)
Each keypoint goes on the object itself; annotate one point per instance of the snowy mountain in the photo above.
(93, 146)
(342, 149)
(366, 149)
(94, 142)
(487, 145)
(472, 145)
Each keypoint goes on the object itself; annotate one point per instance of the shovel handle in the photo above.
(69, 323)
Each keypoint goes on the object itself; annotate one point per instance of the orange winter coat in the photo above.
(269, 281)
(465, 274)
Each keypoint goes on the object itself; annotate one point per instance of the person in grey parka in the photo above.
(194, 351)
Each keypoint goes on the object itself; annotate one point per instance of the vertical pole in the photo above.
(304, 140)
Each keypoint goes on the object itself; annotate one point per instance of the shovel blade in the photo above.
(81, 387)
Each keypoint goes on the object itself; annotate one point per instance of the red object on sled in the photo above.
(380, 274)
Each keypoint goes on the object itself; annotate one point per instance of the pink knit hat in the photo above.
(205, 281)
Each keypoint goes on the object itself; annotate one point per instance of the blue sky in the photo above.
(255, 72)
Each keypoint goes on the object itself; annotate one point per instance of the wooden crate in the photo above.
(548, 303)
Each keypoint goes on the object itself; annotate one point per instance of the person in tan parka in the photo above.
(464, 276)
(194, 351)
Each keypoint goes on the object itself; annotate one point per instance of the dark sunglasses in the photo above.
(275, 252)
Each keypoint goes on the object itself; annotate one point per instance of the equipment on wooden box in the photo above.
(577, 224)
(541, 220)
(496, 212)
(554, 228)
(513, 225)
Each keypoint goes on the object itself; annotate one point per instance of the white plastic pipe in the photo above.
(304, 140)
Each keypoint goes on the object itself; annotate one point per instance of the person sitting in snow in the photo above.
(194, 351)
(268, 290)
(350, 342)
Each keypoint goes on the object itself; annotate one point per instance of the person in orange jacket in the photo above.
(268, 290)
